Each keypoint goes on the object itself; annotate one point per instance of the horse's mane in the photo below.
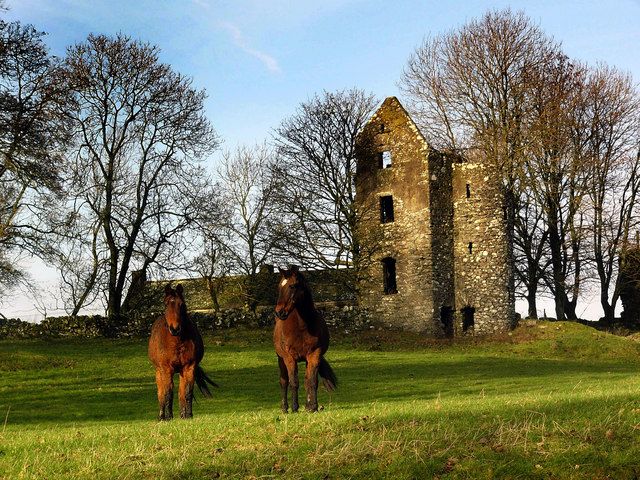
(308, 310)
(185, 314)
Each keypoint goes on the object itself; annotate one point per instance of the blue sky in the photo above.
(259, 59)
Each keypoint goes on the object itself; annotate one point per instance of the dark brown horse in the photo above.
(176, 346)
(300, 334)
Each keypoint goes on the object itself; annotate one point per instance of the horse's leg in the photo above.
(164, 381)
(284, 384)
(292, 369)
(187, 379)
(311, 381)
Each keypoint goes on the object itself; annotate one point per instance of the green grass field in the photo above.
(556, 400)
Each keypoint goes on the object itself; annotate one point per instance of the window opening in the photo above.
(389, 275)
(470, 247)
(384, 159)
(446, 317)
(382, 128)
(386, 209)
(468, 320)
(468, 191)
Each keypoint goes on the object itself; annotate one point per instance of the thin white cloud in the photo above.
(240, 42)
(202, 3)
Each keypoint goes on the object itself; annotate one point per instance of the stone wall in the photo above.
(448, 236)
(408, 238)
(333, 287)
(442, 239)
(630, 284)
(346, 319)
(481, 250)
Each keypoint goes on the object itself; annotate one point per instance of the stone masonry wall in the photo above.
(481, 251)
(442, 228)
(408, 238)
(630, 284)
(448, 236)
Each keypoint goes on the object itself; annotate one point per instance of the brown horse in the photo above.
(176, 346)
(300, 334)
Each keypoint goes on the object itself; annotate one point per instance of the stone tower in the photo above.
(630, 282)
(434, 228)
(484, 287)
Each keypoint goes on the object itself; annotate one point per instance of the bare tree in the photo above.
(501, 86)
(469, 89)
(80, 263)
(316, 169)
(553, 174)
(33, 132)
(611, 132)
(139, 129)
(530, 245)
(582, 165)
(214, 265)
(251, 228)
(213, 261)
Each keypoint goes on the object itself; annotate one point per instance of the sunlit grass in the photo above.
(550, 401)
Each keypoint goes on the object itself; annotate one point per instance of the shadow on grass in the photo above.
(109, 392)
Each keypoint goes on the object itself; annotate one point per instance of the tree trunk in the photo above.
(136, 289)
(607, 308)
(531, 300)
(80, 303)
(570, 308)
(213, 294)
(555, 244)
(114, 303)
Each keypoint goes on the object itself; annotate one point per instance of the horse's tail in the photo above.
(202, 380)
(329, 378)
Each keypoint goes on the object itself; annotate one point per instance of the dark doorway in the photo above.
(467, 318)
(446, 317)
(389, 275)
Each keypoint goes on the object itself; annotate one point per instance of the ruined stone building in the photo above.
(630, 282)
(434, 226)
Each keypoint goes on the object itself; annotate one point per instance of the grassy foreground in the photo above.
(555, 400)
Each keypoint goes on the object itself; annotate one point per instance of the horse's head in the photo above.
(291, 290)
(175, 308)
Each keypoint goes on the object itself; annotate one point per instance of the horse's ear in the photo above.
(282, 272)
(168, 290)
(179, 289)
(294, 269)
